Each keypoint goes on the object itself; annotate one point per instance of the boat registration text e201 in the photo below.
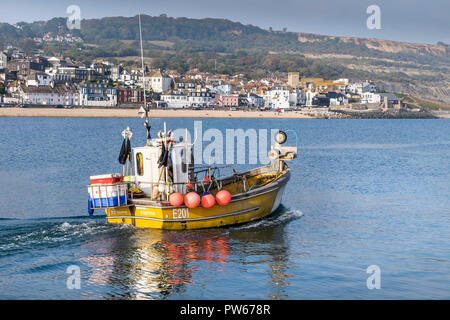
(180, 213)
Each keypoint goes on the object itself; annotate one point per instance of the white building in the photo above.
(179, 99)
(281, 98)
(3, 60)
(130, 78)
(309, 96)
(37, 79)
(200, 98)
(277, 98)
(223, 89)
(296, 97)
(97, 94)
(115, 72)
(370, 97)
(158, 81)
(360, 87)
(54, 61)
(175, 99)
(48, 95)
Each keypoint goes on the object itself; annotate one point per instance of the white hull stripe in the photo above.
(185, 220)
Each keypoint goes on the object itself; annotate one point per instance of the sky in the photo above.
(425, 21)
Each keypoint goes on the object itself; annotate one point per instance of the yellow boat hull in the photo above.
(244, 207)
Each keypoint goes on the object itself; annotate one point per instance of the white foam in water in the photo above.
(57, 233)
(267, 222)
(65, 226)
(82, 229)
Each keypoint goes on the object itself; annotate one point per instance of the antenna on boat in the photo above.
(146, 122)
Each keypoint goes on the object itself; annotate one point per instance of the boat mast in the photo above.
(146, 123)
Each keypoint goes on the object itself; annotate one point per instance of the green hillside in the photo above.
(231, 47)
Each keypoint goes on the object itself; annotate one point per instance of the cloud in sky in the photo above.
(401, 20)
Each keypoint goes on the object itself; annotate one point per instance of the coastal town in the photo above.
(59, 82)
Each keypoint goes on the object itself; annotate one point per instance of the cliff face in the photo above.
(387, 46)
(414, 68)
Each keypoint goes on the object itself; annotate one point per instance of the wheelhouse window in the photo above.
(139, 164)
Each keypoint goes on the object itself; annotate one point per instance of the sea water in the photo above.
(362, 193)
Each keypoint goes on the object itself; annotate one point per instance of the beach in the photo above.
(307, 113)
(133, 113)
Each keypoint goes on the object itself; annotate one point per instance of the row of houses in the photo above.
(47, 95)
(101, 94)
(85, 94)
(40, 90)
(276, 99)
(59, 80)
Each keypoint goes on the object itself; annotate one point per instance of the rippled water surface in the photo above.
(362, 192)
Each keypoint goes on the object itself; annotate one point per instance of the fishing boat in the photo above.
(166, 190)
(162, 187)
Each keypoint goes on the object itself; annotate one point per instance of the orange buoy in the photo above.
(223, 197)
(191, 200)
(176, 199)
(208, 200)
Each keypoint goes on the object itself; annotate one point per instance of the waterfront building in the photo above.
(390, 100)
(336, 98)
(175, 99)
(227, 100)
(200, 98)
(309, 97)
(277, 98)
(48, 95)
(254, 100)
(321, 100)
(370, 97)
(158, 81)
(97, 94)
(129, 96)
